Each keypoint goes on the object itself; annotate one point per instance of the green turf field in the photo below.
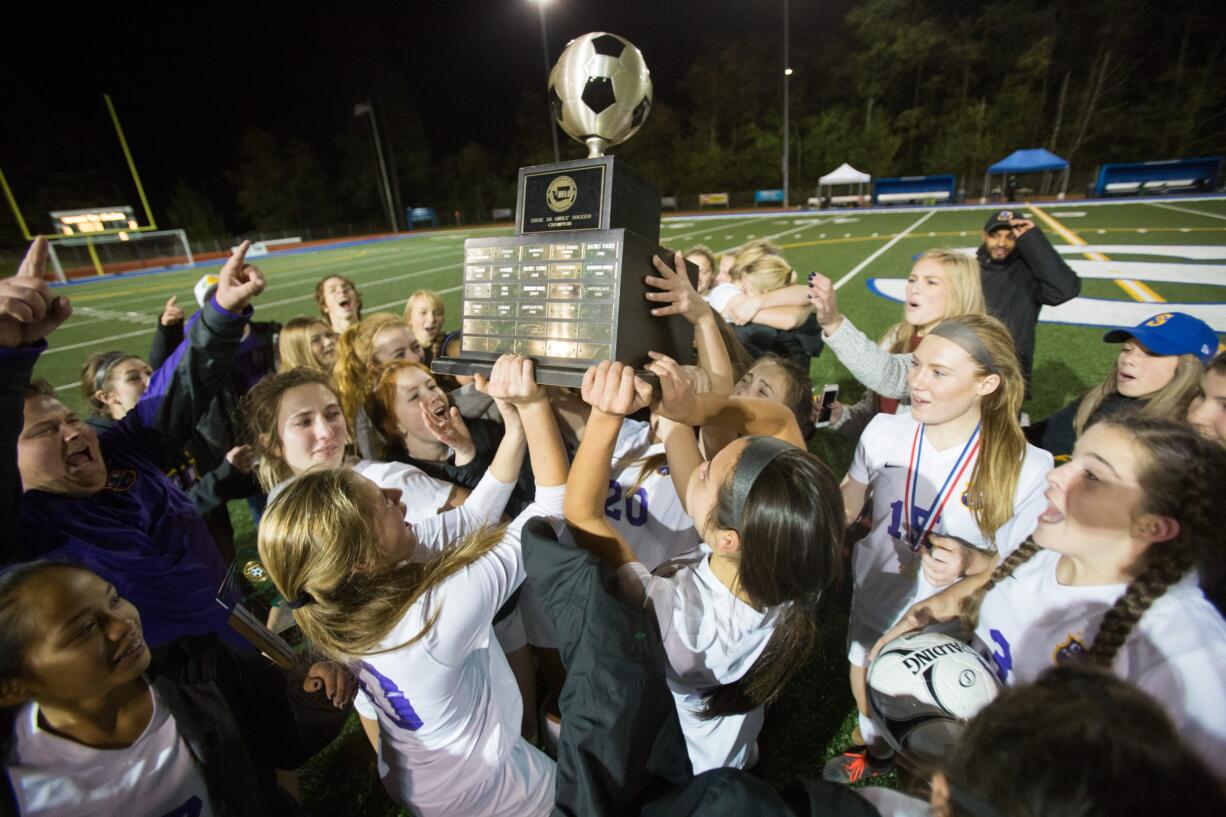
(811, 721)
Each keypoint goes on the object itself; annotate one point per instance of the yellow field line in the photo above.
(1136, 290)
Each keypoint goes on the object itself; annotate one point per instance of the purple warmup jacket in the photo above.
(141, 532)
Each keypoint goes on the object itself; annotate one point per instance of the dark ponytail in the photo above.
(791, 532)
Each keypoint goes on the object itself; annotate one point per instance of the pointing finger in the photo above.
(34, 265)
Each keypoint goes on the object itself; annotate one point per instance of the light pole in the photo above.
(787, 73)
(553, 129)
(366, 108)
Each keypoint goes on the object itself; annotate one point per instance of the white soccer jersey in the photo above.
(650, 517)
(886, 570)
(421, 493)
(448, 707)
(721, 295)
(52, 776)
(711, 638)
(1176, 652)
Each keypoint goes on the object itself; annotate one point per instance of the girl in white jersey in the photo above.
(296, 422)
(735, 614)
(412, 618)
(1109, 576)
(953, 483)
(94, 722)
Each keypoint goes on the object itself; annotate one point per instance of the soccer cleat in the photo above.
(855, 766)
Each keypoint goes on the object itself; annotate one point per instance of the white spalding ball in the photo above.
(924, 687)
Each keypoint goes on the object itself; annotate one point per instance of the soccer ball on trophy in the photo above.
(600, 90)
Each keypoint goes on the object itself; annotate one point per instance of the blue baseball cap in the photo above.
(1171, 333)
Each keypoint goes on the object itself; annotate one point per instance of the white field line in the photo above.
(707, 228)
(1185, 210)
(375, 308)
(858, 267)
(370, 266)
(814, 223)
(376, 265)
(293, 277)
(308, 297)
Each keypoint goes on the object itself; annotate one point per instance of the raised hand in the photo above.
(1020, 226)
(512, 380)
(677, 395)
(613, 388)
(825, 303)
(944, 561)
(676, 291)
(336, 682)
(451, 431)
(741, 311)
(28, 310)
(172, 313)
(243, 457)
(238, 282)
(699, 379)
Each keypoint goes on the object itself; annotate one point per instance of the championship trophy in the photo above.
(567, 289)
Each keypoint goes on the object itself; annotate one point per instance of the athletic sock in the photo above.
(874, 741)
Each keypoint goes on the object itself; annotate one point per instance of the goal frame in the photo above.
(92, 240)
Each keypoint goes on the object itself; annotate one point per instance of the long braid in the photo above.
(1165, 568)
(969, 609)
(1196, 510)
(1180, 481)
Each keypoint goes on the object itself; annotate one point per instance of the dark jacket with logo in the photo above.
(1018, 287)
(1057, 435)
(141, 532)
(241, 716)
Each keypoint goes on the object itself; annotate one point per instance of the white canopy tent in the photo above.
(844, 176)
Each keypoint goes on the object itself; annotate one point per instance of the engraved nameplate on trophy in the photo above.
(567, 300)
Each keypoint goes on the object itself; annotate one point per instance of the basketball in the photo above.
(924, 687)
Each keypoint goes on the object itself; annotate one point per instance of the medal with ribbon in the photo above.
(920, 521)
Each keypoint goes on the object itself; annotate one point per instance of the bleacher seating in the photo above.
(1167, 176)
(938, 189)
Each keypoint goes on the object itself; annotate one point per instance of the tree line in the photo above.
(898, 87)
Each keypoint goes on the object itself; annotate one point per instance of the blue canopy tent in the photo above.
(1033, 160)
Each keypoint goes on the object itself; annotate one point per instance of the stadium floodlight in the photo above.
(367, 108)
(787, 73)
(553, 128)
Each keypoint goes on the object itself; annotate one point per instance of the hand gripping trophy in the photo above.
(567, 289)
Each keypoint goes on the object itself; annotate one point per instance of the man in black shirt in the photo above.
(1021, 272)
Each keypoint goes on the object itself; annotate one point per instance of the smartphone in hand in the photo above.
(823, 404)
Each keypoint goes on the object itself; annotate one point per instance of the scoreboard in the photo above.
(93, 220)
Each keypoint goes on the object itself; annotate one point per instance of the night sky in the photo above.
(188, 78)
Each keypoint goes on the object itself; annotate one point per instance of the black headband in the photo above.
(760, 453)
(302, 601)
(105, 364)
(965, 337)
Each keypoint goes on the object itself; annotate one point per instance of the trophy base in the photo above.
(546, 374)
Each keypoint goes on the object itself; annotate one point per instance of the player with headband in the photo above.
(735, 612)
(954, 484)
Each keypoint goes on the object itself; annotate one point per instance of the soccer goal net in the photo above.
(78, 256)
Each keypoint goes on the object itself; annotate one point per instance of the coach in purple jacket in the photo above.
(101, 499)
